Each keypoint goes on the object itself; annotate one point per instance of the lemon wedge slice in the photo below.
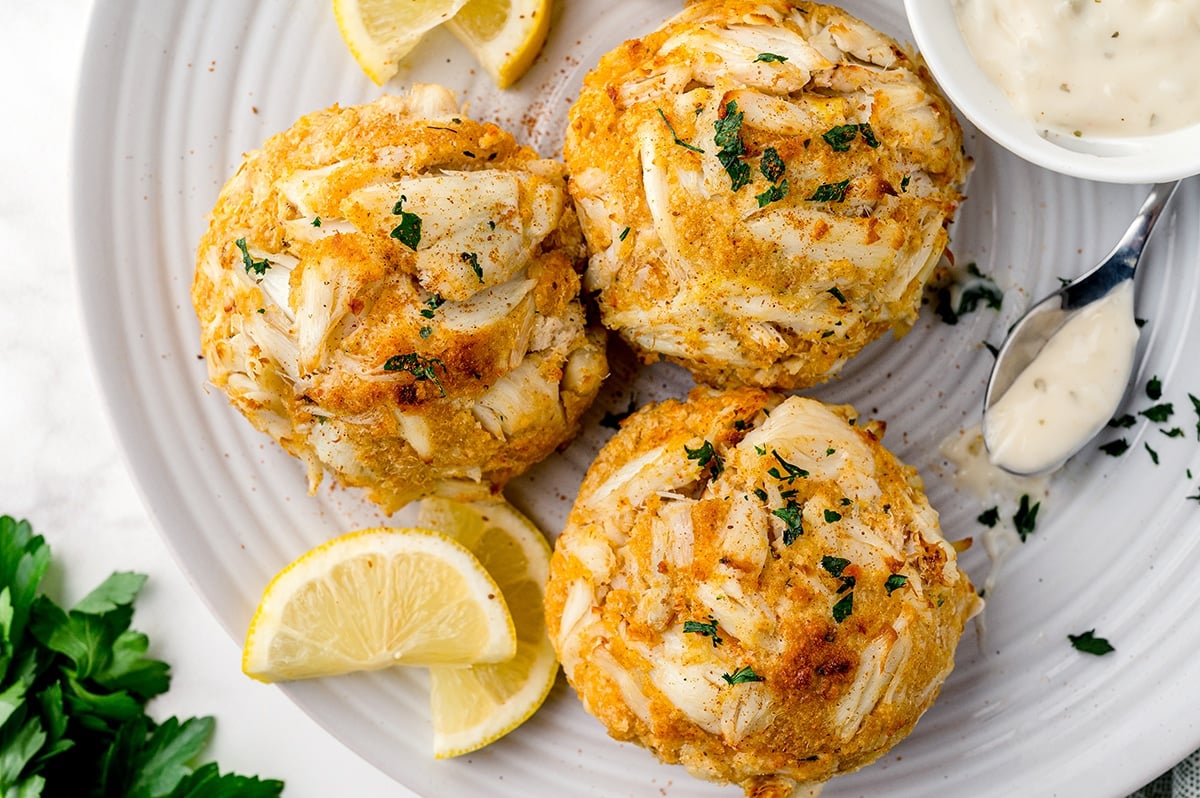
(505, 36)
(376, 598)
(474, 706)
(381, 32)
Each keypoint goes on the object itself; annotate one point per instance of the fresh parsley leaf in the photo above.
(904, 183)
(1088, 643)
(895, 582)
(1153, 454)
(761, 494)
(1158, 413)
(678, 141)
(868, 135)
(741, 675)
(431, 305)
(422, 368)
(472, 260)
(708, 629)
(771, 165)
(207, 782)
(831, 192)
(844, 608)
(832, 515)
(408, 232)
(792, 516)
(706, 455)
(793, 472)
(252, 266)
(767, 58)
(1196, 408)
(1174, 432)
(316, 222)
(840, 136)
(1154, 389)
(989, 517)
(834, 565)
(727, 136)
(1025, 518)
(772, 194)
(1115, 448)
(1122, 422)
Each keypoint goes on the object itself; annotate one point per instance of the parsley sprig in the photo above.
(75, 683)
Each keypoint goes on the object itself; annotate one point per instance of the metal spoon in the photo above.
(1032, 331)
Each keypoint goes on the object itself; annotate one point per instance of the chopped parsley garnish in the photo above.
(771, 165)
(1153, 454)
(706, 455)
(741, 675)
(1196, 408)
(828, 334)
(844, 607)
(316, 222)
(1154, 389)
(408, 232)
(1174, 432)
(767, 58)
(839, 137)
(727, 137)
(832, 515)
(256, 266)
(838, 295)
(772, 194)
(708, 629)
(792, 517)
(977, 288)
(792, 471)
(904, 183)
(831, 192)
(678, 141)
(1115, 448)
(895, 582)
(432, 304)
(830, 451)
(422, 368)
(472, 260)
(1158, 413)
(760, 450)
(1123, 422)
(761, 494)
(845, 502)
(989, 517)
(425, 332)
(624, 234)
(1088, 643)
(834, 565)
(261, 311)
(1026, 517)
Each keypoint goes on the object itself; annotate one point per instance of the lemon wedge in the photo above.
(505, 36)
(474, 706)
(381, 32)
(376, 598)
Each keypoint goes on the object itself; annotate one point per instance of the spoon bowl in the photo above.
(1031, 334)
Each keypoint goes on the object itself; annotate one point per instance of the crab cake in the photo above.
(764, 186)
(390, 291)
(755, 588)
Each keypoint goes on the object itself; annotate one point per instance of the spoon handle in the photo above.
(1121, 263)
(1129, 249)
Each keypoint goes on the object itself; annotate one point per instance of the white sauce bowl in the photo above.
(1145, 159)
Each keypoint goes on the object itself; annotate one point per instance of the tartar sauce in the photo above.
(1069, 391)
(1091, 67)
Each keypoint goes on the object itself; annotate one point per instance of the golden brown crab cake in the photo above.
(756, 588)
(391, 292)
(764, 186)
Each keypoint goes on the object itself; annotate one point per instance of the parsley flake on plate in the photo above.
(1088, 643)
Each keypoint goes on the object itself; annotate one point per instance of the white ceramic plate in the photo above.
(172, 93)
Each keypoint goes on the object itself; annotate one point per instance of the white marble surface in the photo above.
(60, 467)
